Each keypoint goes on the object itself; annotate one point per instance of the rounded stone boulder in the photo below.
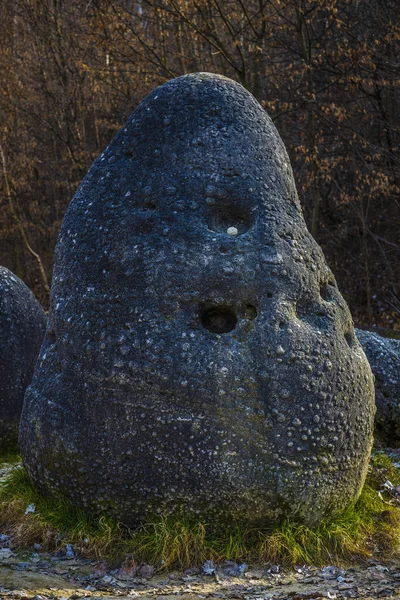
(22, 327)
(384, 358)
(199, 357)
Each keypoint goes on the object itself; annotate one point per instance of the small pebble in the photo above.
(232, 231)
(30, 509)
(209, 567)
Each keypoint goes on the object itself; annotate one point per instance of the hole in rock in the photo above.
(222, 217)
(149, 206)
(219, 319)
(350, 338)
(250, 312)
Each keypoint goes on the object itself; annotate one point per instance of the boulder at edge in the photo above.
(22, 327)
(384, 358)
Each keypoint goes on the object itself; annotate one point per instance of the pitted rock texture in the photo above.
(186, 368)
(384, 358)
(22, 327)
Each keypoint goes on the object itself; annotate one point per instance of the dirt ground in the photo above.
(40, 576)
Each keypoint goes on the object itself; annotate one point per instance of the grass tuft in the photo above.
(171, 542)
(372, 525)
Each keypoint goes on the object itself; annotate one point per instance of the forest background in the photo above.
(327, 71)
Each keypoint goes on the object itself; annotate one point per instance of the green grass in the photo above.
(373, 524)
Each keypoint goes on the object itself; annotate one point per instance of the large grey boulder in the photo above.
(22, 327)
(199, 356)
(384, 358)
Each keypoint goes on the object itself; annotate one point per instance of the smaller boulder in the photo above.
(22, 327)
(384, 357)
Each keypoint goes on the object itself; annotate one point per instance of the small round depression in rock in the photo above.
(219, 319)
(350, 338)
(250, 312)
(232, 220)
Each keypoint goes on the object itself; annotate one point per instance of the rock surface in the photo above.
(199, 356)
(384, 358)
(22, 327)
